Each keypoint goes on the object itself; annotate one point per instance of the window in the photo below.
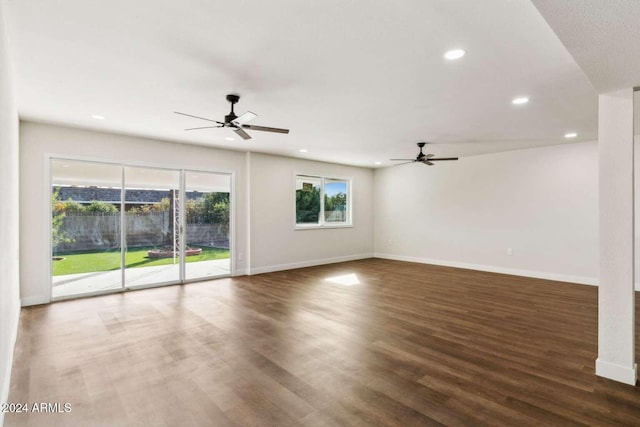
(322, 201)
(116, 226)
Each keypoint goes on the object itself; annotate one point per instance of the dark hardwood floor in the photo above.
(407, 345)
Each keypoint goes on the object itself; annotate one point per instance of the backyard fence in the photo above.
(101, 231)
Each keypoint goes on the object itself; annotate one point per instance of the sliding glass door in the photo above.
(152, 226)
(207, 215)
(117, 226)
(85, 227)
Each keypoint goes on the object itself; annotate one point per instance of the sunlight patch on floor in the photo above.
(345, 279)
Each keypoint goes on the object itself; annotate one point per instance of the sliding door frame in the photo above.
(232, 223)
(48, 215)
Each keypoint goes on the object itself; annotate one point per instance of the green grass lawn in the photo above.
(87, 262)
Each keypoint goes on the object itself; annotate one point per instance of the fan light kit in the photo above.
(425, 159)
(237, 123)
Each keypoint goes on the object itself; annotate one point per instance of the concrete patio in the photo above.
(84, 283)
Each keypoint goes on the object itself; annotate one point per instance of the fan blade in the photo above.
(265, 128)
(206, 127)
(428, 163)
(428, 156)
(443, 158)
(242, 133)
(404, 163)
(400, 160)
(196, 117)
(244, 118)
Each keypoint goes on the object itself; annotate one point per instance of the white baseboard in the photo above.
(613, 371)
(310, 263)
(493, 269)
(35, 300)
(4, 387)
(241, 272)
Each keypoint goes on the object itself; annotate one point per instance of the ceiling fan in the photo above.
(423, 158)
(237, 123)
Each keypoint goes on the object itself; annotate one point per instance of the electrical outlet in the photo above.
(510, 251)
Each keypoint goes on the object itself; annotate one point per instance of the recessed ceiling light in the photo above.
(303, 150)
(520, 100)
(377, 163)
(97, 117)
(454, 54)
(229, 139)
(570, 135)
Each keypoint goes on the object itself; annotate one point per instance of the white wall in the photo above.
(9, 218)
(38, 139)
(269, 238)
(541, 202)
(275, 244)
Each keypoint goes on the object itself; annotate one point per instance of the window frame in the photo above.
(321, 221)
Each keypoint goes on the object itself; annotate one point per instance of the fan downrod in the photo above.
(233, 99)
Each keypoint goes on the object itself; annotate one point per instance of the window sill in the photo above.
(320, 227)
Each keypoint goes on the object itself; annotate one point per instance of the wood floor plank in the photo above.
(407, 345)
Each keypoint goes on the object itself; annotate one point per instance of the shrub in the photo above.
(98, 206)
(163, 205)
(72, 206)
(58, 236)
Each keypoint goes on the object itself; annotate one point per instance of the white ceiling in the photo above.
(356, 81)
(602, 36)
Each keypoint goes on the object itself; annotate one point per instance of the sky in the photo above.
(333, 188)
